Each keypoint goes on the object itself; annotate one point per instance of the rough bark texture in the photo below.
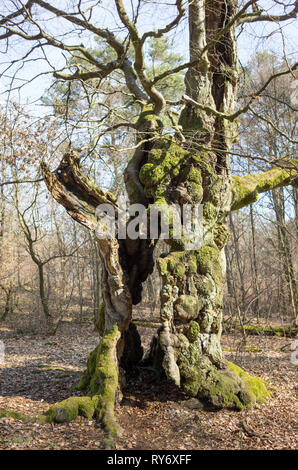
(188, 344)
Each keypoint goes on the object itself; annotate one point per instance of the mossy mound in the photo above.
(230, 387)
(255, 385)
(67, 410)
(13, 414)
(206, 260)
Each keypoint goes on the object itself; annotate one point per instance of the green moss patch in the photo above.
(246, 189)
(231, 387)
(13, 414)
(255, 386)
(265, 330)
(100, 319)
(67, 410)
(100, 380)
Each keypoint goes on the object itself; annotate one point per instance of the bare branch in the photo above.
(244, 109)
(139, 65)
(169, 27)
(258, 15)
(20, 182)
(268, 121)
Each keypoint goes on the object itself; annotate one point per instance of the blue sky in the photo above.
(263, 36)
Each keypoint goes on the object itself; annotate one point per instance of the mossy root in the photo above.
(100, 381)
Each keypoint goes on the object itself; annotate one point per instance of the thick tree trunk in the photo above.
(192, 292)
(188, 344)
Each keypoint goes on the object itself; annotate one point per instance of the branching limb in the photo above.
(12, 26)
(168, 27)
(139, 65)
(245, 108)
(258, 15)
(20, 182)
(268, 121)
(82, 198)
(193, 63)
(246, 189)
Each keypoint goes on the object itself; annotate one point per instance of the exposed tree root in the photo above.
(67, 410)
(230, 387)
(100, 380)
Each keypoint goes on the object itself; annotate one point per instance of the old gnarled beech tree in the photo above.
(191, 166)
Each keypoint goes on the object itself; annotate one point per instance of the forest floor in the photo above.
(40, 370)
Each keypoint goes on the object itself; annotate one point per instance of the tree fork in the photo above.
(125, 265)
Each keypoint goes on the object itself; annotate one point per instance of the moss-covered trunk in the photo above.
(196, 171)
(188, 344)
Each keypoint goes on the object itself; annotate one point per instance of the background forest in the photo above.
(50, 270)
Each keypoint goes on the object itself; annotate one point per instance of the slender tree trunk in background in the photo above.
(295, 199)
(2, 216)
(96, 280)
(254, 264)
(240, 269)
(229, 275)
(80, 290)
(285, 251)
(79, 275)
(231, 281)
(37, 261)
(44, 299)
(8, 302)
